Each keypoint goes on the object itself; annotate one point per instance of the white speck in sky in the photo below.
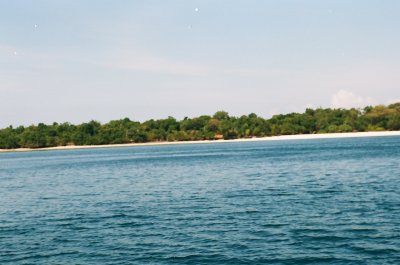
(196, 10)
(15, 53)
(189, 27)
(36, 25)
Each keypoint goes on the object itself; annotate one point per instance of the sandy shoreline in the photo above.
(270, 138)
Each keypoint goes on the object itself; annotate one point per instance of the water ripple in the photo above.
(290, 202)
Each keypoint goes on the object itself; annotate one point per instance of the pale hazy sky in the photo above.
(82, 60)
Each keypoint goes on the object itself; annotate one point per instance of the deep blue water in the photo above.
(332, 201)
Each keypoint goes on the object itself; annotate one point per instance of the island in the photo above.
(208, 128)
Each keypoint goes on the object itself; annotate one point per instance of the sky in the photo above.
(108, 59)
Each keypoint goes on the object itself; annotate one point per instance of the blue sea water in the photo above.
(331, 201)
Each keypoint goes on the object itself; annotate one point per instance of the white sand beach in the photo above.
(270, 138)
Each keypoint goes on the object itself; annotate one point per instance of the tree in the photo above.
(371, 118)
(221, 115)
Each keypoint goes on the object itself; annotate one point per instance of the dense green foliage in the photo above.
(218, 126)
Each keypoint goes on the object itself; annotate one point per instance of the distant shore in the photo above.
(268, 138)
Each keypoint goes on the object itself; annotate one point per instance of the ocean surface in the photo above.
(327, 201)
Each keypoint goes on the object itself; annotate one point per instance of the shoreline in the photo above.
(267, 138)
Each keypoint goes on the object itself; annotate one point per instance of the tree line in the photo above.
(219, 126)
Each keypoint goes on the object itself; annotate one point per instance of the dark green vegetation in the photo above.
(218, 126)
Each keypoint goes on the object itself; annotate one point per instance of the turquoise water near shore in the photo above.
(327, 201)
